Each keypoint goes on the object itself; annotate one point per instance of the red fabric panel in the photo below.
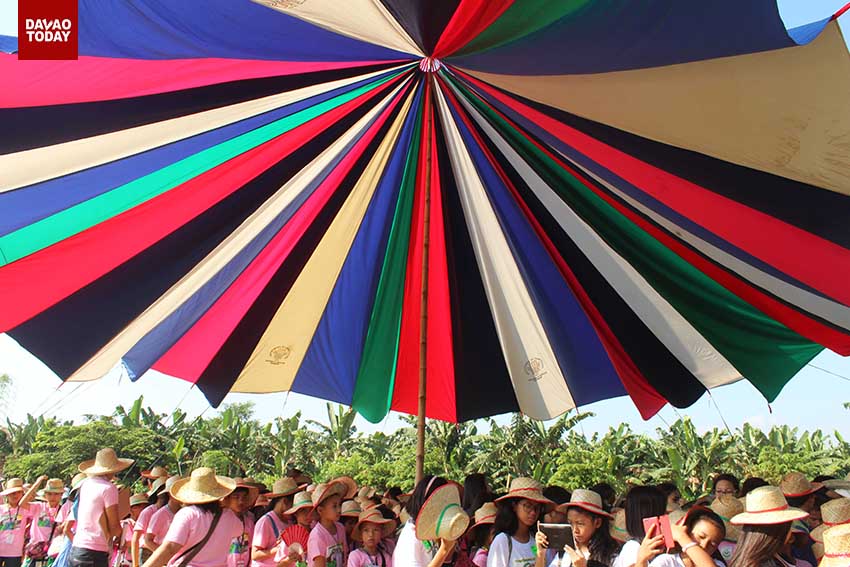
(647, 400)
(189, 357)
(92, 253)
(40, 83)
(808, 327)
(470, 19)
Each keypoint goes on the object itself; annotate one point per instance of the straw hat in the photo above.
(795, 484)
(157, 486)
(618, 526)
(441, 516)
(76, 482)
(350, 509)
(486, 514)
(765, 506)
(55, 486)
(155, 472)
(372, 516)
(401, 513)
(105, 462)
(137, 499)
(202, 486)
(350, 486)
(365, 493)
(836, 546)
(326, 490)
(833, 513)
(837, 484)
(587, 500)
(817, 551)
(13, 485)
(285, 486)
(300, 500)
(527, 489)
(727, 507)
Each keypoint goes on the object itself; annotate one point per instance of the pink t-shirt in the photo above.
(266, 533)
(43, 518)
(13, 525)
(64, 512)
(144, 519)
(480, 558)
(96, 495)
(359, 558)
(159, 524)
(332, 547)
(239, 554)
(189, 527)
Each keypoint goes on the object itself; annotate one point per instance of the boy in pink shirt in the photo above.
(162, 518)
(327, 545)
(14, 515)
(241, 500)
(44, 514)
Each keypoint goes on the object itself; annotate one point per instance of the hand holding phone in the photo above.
(662, 527)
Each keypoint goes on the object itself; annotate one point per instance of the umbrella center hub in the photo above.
(430, 65)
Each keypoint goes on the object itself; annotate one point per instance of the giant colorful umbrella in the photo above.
(590, 200)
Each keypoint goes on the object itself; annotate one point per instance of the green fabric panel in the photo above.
(57, 227)
(524, 17)
(373, 391)
(766, 352)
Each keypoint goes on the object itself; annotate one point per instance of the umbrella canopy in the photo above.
(646, 199)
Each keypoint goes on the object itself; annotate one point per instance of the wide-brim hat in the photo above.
(486, 514)
(372, 516)
(105, 462)
(202, 486)
(833, 513)
(285, 486)
(838, 484)
(300, 500)
(252, 485)
(350, 509)
(76, 482)
(836, 547)
(617, 528)
(13, 485)
(365, 493)
(728, 507)
(766, 505)
(795, 485)
(326, 490)
(441, 516)
(588, 501)
(523, 488)
(155, 473)
(55, 486)
(350, 486)
(157, 486)
(138, 499)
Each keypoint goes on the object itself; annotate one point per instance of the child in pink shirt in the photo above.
(14, 515)
(326, 546)
(239, 553)
(370, 530)
(159, 524)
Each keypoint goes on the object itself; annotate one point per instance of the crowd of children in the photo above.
(207, 520)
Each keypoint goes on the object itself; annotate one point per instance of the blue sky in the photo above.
(813, 399)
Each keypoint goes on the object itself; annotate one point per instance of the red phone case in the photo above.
(663, 523)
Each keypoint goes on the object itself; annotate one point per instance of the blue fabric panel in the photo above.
(620, 35)
(237, 29)
(588, 370)
(8, 44)
(329, 370)
(29, 204)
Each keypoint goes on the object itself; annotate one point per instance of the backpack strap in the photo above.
(195, 549)
(274, 525)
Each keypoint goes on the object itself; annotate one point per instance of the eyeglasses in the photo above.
(718, 491)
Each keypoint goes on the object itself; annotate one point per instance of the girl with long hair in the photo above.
(765, 529)
(591, 530)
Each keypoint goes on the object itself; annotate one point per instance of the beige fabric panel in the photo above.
(39, 164)
(786, 112)
(366, 20)
(111, 353)
(295, 322)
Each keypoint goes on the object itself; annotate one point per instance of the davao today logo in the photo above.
(47, 30)
(42, 30)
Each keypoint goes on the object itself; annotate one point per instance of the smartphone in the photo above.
(662, 524)
(559, 535)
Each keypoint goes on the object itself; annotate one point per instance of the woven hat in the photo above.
(300, 500)
(350, 486)
(817, 551)
(795, 484)
(365, 493)
(76, 482)
(350, 509)
(105, 462)
(586, 500)
(527, 489)
(325, 491)
(838, 484)
(155, 473)
(54, 485)
(728, 507)
(618, 526)
(441, 516)
(833, 513)
(157, 486)
(836, 547)
(766, 506)
(13, 485)
(372, 516)
(285, 486)
(202, 486)
(486, 514)
(138, 499)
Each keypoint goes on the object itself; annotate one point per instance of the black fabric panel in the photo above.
(219, 376)
(47, 125)
(423, 20)
(483, 385)
(662, 370)
(66, 335)
(819, 211)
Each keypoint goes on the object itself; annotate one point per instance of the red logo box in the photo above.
(47, 29)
